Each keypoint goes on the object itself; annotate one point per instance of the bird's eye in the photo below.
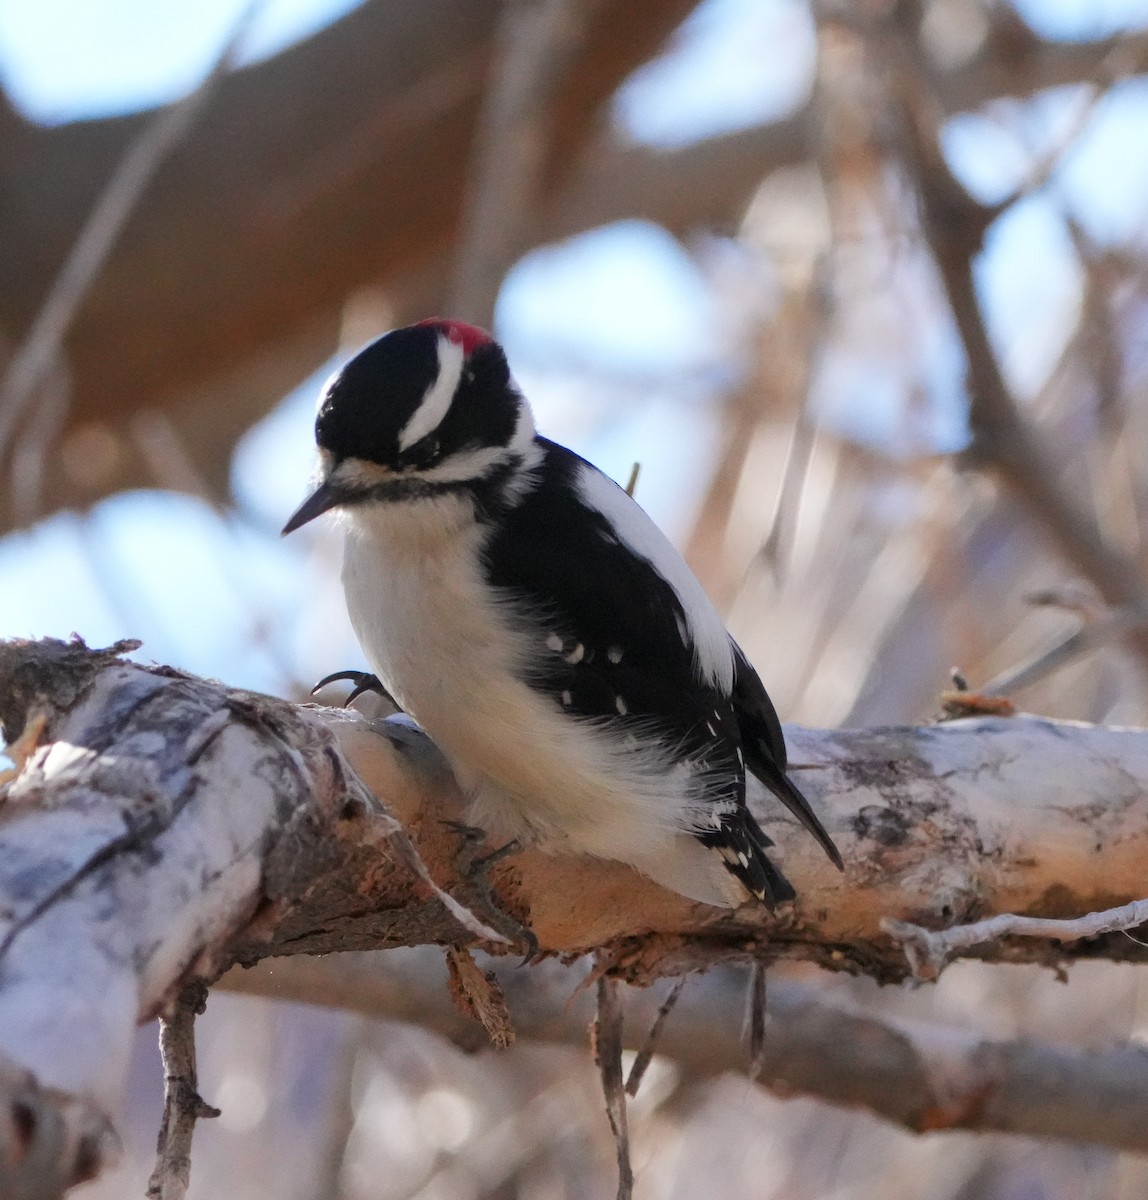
(425, 453)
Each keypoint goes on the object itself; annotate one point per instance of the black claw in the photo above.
(534, 952)
(364, 681)
(473, 868)
(481, 865)
(470, 833)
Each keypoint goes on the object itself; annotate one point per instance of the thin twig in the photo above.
(632, 482)
(606, 1033)
(182, 1103)
(537, 41)
(786, 509)
(1067, 649)
(755, 1020)
(649, 1047)
(43, 345)
(30, 458)
(1043, 166)
(929, 950)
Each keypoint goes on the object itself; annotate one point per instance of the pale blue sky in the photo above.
(626, 302)
(64, 59)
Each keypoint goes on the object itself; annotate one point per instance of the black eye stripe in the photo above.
(425, 451)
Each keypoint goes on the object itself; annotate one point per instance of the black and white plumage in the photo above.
(538, 625)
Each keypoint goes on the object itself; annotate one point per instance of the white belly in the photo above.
(451, 659)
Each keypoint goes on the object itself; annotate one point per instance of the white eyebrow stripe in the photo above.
(435, 404)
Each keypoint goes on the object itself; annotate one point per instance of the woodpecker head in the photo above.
(423, 410)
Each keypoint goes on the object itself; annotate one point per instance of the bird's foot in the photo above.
(364, 681)
(474, 868)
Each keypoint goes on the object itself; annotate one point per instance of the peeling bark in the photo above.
(159, 828)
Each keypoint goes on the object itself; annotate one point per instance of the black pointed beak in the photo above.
(319, 501)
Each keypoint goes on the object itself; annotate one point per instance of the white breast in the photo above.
(453, 659)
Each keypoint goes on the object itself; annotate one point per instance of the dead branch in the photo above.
(649, 1047)
(929, 950)
(182, 1103)
(159, 828)
(606, 1041)
(917, 1075)
(479, 995)
(1067, 649)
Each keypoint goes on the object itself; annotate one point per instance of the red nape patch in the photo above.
(469, 337)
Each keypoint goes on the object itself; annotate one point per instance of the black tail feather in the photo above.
(762, 878)
(763, 766)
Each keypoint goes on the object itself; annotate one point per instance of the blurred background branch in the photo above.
(536, 43)
(912, 1073)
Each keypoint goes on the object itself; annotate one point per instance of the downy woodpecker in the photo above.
(527, 613)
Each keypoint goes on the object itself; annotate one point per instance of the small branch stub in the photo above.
(606, 1042)
(929, 951)
(479, 994)
(182, 1103)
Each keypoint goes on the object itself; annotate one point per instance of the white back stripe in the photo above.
(436, 403)
(713, 658)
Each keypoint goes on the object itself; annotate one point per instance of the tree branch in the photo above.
(918, 1075)
(929, 950)
(290, 195)
(182, 1103)
(142, 158)
(954, 225)
(287, 196)
(537, 43)
(606, 1042)
(128, 869)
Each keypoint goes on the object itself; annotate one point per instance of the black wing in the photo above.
(614, 632)
(618, 621)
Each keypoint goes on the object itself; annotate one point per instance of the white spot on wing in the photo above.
(566, 699)
(704, 629)
(554, 642)
(576, 655)
(435, 404)
(620, 705)
(614, 654)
